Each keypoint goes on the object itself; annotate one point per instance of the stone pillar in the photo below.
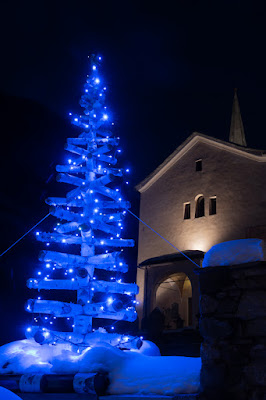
(233, 327)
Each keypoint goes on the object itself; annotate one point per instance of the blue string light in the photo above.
(96, 230)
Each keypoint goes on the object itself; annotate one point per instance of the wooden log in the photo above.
(114, 242)
(75, 193)
(113, 311)
(67, 227)
(61, 201)
(106, 191)
(112, 141)
(104, 180)
(98, 242)
(89, 384)
(33, 383)
(58, 383)
(114, 217)
(108, 159)
(76, 150)
(66, 259)
(105, 227)
(10, 381)
(115, 287)
(54, 284)
(113, 257)
(79, 141)
(81, 159)
(71, 168)
(56, 308)
(72, 180)
(90, 339)
(55, 237)
(63, 259)
(103, 149)
(64, 396)
(104, 133)
(113, 205)
(67, 215)
(82, 323)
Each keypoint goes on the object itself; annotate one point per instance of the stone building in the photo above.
(206, 192)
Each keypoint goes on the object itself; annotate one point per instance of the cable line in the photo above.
(167, 241)
(25, 234)
(134, 215)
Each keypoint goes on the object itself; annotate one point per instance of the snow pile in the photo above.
(155, 375)
(140, 371)
(26, 356)
(148, 349)
(7, 395)
(234, 252)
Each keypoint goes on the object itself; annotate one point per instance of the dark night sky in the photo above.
(170, 67)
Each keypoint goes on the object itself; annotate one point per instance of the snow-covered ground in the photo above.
(133, 371)
(7, 395)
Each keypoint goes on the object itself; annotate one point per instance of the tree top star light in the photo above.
(87, 239)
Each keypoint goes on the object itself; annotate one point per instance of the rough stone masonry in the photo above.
(233, 326)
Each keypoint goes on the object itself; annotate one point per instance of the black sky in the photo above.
(170, 67)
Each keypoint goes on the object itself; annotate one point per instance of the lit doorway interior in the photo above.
(174, 298)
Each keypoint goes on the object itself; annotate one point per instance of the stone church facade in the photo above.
(208, 191)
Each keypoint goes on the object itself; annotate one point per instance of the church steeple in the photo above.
(237, 134)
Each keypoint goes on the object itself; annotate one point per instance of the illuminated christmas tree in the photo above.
(90, 219)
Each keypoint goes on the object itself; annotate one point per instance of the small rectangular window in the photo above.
(187, 211)
(199, 165)
(212, 205)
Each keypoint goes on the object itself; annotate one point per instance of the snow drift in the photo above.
(140, 371)
(7, 395)
(234, 252)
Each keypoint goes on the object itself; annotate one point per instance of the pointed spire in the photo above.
(237, 134)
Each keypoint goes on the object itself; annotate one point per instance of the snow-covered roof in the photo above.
(234, 252)
(172, 257)
(191, 141)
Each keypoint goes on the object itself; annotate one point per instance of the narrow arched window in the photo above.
(199, 209)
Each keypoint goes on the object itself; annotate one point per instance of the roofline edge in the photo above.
(181, 150)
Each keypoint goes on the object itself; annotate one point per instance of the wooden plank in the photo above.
(150, 397)
(75, 396)
(87, 383)
(136, 397)
(57, 396)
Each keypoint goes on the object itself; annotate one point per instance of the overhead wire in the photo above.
(25, 234)
(134, 215)
(162, 237)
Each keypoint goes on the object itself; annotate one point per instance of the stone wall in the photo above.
(233, 326)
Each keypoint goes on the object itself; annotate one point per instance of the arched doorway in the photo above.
(174, 298)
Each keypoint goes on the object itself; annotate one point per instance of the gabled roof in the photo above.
(192, 140)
